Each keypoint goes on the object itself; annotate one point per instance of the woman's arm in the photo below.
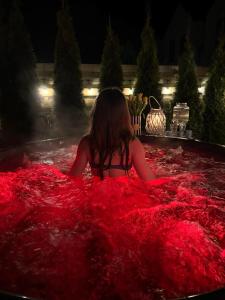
(81, 159)
(139, 162)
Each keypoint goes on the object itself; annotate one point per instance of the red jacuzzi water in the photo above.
(66, 238)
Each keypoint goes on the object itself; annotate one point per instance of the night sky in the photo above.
(90, 21)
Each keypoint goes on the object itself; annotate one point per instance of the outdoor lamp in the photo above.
(155, 120)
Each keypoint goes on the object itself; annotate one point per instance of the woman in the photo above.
(110, 147)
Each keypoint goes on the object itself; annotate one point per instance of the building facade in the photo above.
(90, 80)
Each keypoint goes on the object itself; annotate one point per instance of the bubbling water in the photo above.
(120, 238)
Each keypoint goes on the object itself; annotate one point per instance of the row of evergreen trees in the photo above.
(18, 100)
(206, 116)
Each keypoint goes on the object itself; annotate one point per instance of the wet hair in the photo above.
(111, 128)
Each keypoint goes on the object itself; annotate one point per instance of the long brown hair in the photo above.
(111, 128)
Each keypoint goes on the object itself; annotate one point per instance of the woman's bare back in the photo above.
(116, 169)
(136, 157)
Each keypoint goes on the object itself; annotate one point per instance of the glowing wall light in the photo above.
(46, 96)
(128, 91)
(201, 90)
(45, 91)
(168, 90)
(90, 92)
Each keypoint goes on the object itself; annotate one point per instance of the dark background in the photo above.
(91, 18)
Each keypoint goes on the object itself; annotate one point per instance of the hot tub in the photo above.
(66, 238)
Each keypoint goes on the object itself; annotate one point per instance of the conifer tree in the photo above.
(111, 73)
(147, 65)
(67, 72)
(18, 77)
(214, 113)
(148, 69)
(187, 89)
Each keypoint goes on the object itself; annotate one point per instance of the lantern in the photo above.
(181, 113)
(156, 121)
(180, 118)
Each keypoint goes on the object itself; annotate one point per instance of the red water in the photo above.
(64, 238)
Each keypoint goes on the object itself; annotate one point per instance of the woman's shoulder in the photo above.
(136, 145)
(135, 141)
(85, 138)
